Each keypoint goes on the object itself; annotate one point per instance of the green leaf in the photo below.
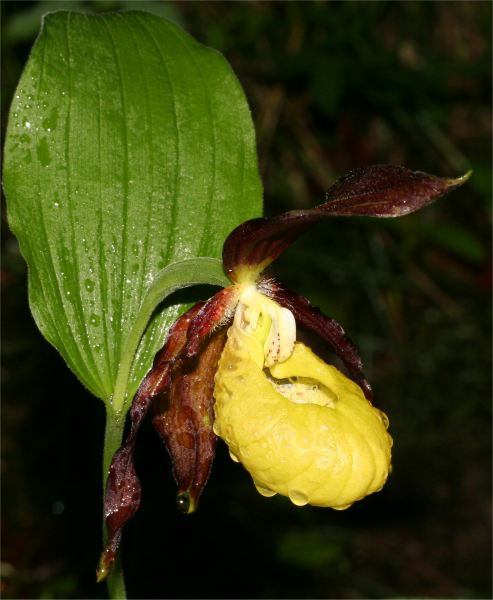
(129, 146)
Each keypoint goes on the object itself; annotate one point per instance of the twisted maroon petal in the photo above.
(329, 330)
(122, 497)
(190, 404)
(374, 191)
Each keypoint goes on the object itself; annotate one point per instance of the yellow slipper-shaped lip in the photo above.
(300, 427)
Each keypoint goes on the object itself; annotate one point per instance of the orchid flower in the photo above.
(232, 367)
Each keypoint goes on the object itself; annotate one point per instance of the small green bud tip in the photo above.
(185, 503)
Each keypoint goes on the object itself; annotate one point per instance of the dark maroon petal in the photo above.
(190, 334)
(184, 417)
(329, 330)
(122, 497)
(374, 191)
(216, 313)
(177, 337)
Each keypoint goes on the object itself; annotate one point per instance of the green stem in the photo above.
(112, 441)
(184, 273)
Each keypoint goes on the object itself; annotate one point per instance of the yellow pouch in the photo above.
(300, 427)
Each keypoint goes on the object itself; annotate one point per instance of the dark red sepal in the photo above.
(216, 313)
(374, 191)
(122, 496)
(184, 417)
(386, 191)
(310, 318)
(189, 336)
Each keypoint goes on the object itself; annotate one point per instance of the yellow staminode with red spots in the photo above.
(299, 426)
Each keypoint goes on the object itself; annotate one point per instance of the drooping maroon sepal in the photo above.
(312, 319)
(184, 416)
(122, 496)
(374, 191)
(182, 377)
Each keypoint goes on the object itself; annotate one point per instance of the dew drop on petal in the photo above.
(234, 457)
(264, 491)
(298, 498)
(342, 507)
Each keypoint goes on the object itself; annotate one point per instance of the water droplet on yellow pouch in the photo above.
(298, 498)
(342, 507)
(234, 457)
(264, 491)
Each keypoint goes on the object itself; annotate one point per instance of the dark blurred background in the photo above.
(332, 86)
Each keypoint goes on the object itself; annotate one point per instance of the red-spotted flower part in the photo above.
(232, 366)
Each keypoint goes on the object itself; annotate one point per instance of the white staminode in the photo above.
(269, 321)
